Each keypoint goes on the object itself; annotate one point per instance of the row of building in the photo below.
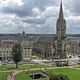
(7, 44)
(42, 45)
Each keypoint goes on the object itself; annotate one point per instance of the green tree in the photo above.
(59, 77)
(17, 53)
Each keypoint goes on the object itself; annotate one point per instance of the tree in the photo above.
(17, 53)
(51, 75)
(59, 77)
(63, 77)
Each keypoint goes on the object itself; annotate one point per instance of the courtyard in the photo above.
(73, 72)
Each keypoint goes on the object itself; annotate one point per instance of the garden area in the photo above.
(24, 75)
(72, 74)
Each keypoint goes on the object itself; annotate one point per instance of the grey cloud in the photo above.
(42, 4)
(73, 6)
(73, 27)
(76, 7)
(20, 12)
(26, 8)
(35, 21)
(46, 23)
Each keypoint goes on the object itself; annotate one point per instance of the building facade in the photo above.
(6, 48)
(54, 47)
(60, 42)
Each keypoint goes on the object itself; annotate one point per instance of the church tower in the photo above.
(61, 35)
(61, 24)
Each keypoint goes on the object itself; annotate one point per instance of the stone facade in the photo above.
(61, 35)
(6, 49)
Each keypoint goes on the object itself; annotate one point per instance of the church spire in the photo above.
(61, 23)
(61, 11)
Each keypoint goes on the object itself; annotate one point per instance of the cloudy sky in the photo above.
(38, 16)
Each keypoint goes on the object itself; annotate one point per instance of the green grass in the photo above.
(24, 76)
(71, 73)
(3, 75)
(5, 67)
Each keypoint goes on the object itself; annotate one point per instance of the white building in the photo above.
(6, 49)
(27, 48)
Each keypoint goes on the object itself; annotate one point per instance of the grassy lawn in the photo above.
(24, 76)
(3, 75)
(5, 67)
(71, 73)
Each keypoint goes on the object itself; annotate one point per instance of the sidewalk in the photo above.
(11, 77)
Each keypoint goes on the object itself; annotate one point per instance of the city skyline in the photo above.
(33, 16)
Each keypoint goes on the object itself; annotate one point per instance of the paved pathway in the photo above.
(12, 74)
(9, 77)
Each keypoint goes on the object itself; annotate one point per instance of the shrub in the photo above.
(59, 77)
